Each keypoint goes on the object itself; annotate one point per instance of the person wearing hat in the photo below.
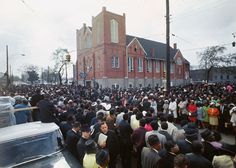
(89, 159)
(85, 136)
(227, 159)
(209, 150)
(213, 113)
(191, 134)
(196, 159)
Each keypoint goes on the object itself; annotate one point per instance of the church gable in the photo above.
(135, 47)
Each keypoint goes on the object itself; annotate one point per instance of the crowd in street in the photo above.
(138, 127)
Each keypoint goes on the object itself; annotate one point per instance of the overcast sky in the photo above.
(37, 27)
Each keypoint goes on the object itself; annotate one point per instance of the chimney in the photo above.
(152, 52)
(103, 8)
(175, 45)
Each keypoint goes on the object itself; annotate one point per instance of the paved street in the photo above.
(228, 138)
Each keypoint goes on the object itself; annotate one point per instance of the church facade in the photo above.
(108, 57)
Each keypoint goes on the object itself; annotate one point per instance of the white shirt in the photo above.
(172, 129)
(233, 119)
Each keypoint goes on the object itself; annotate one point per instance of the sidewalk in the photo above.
(228, 138)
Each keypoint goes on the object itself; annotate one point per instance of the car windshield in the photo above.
(24, 149)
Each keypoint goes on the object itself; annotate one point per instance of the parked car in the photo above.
(34, 145)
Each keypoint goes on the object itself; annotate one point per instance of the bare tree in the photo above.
(60, 61)
(32, 71)
(211, 58)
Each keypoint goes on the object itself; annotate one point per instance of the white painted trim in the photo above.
(89, 29)
(135, 38)
(176, 54)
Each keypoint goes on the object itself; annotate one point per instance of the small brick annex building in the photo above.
(110, 58)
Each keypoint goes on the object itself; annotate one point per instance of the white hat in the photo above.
(232, 110)
(106, 106)
(212, 103)
(144, 113)
(94, 104)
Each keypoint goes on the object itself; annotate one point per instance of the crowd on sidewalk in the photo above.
(153, 127)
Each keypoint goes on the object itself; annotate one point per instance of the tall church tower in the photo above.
(109, 35)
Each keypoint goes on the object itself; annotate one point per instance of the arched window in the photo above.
(98, 26)
(114, 31)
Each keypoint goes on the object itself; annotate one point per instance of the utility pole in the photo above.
(84, 73)
(42, 76)
(48, 75)
(66, 73)
(167, 47)
(7, 73)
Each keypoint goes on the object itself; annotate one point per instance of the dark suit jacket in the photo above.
(209, 151)
(167, 160)
(81, 149)
(167, 135)
(198, 161)
(112, 143)
(184, 146)
(72, 139)
(47, 111)
(64, 127)
(149, 158)
(138, 138)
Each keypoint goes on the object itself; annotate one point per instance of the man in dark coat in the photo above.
(138, 140)
(81, 147)
(47, 110)
(191, 134)
(196, 158)
(72, 138)
(150, 156)
(168, 154)
(34, 102)
(66, 125)
(125, 132)
(112, 143)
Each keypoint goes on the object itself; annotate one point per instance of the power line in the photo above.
(200, 10)
(182, 39)
(206, 47)
(27, 5)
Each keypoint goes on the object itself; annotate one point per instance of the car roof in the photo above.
(26, 130)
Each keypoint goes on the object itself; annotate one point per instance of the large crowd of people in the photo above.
(137, 127)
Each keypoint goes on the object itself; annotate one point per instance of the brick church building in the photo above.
(108, 57)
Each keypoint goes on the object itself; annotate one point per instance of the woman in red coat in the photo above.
(192, 111)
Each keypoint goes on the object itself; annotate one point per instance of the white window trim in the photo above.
(149, 65)
(130, 64)
(115, 62)
(114, 31)
(158, 66)
(140, 62)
